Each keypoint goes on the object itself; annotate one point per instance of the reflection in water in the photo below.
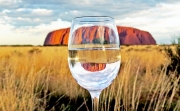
(72, 57)
(93, 60)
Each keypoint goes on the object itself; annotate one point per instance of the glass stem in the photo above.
(95, 99)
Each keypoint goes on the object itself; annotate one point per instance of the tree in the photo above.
(175, 39)
(174, 57)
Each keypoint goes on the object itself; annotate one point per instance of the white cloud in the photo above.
(43, 12)
(30, 20)
(44, 28)
(5, 11)
(9, 3)
(6, 19)
(21, 9)
(162, 21)
(74, 11)
(26, 16)
(29, 34)
(23, 19)
(37, 20)
(5, 27)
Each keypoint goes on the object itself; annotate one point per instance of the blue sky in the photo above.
(29, 21)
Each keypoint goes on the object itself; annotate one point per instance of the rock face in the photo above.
(93, 66)
(57, 37)
(127, 35)
(134, 36)
(94, 34)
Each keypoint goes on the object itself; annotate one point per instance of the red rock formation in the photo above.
(134, 36)
(57, 37)
(91, 34)
(127, 35)
(94, 66)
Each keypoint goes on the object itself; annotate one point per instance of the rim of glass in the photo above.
(93, 18)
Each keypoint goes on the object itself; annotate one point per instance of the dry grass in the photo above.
(30, 76)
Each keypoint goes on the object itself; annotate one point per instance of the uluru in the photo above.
(127, 35)
(93, 34)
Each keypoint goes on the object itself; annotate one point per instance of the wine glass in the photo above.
(94, 53)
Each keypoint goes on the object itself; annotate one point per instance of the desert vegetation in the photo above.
(38, 79)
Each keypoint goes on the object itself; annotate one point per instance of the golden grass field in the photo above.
(31, 76)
